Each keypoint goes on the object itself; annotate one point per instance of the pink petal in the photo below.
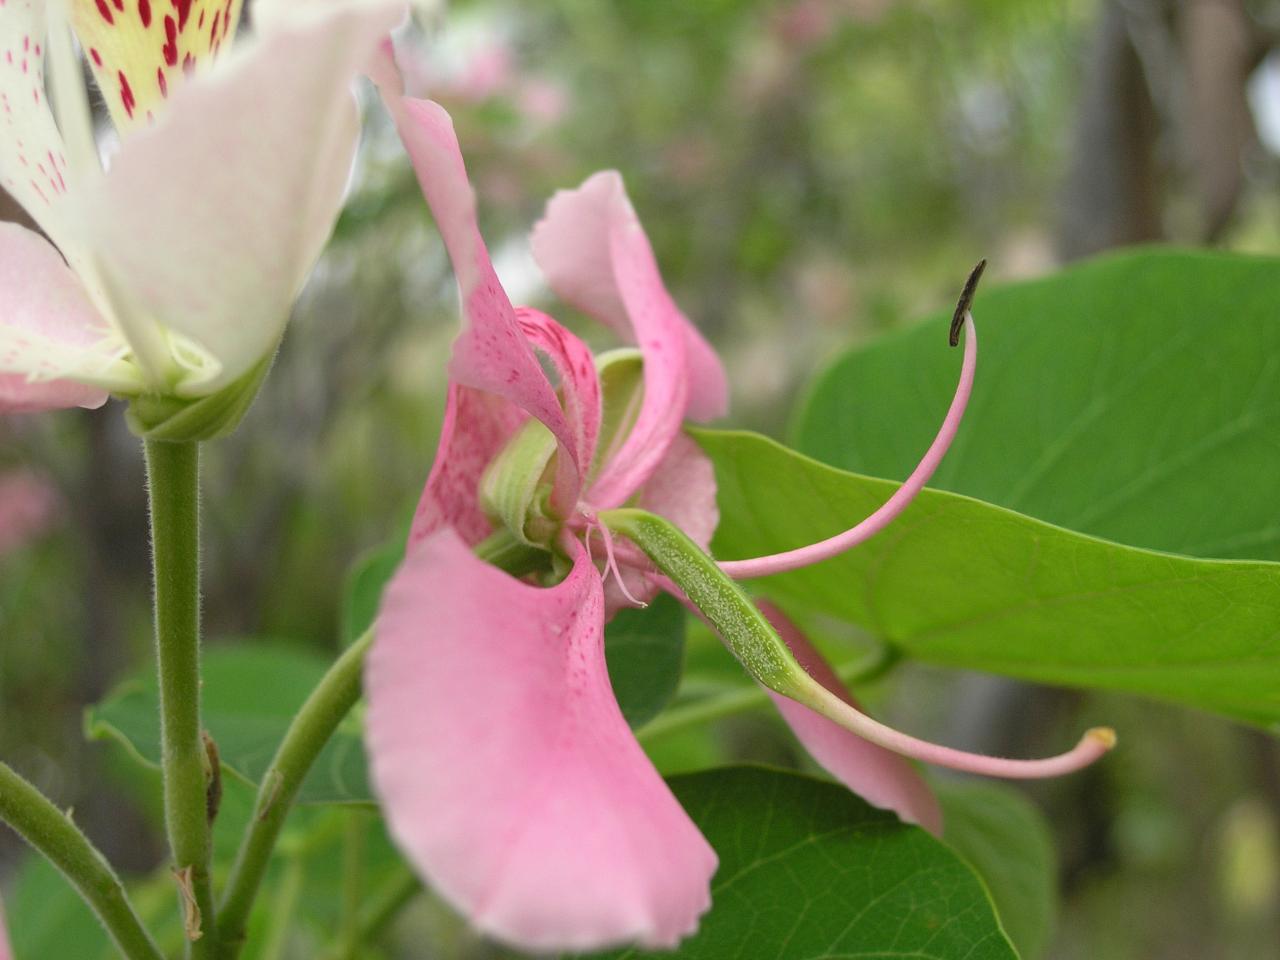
(6, 952)
(880, 777)
(682, 489)
(579, 387)
(210, 220)
(596, 256)
(33, 164)
(492, 352)
(48, 327)
(476, 426)
(506, 772)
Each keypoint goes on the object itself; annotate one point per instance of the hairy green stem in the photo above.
(311, 729)
(174, 489)
(52, 833)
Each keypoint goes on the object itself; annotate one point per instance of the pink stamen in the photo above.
(889, 511)
(611, 565)
(1094, 744)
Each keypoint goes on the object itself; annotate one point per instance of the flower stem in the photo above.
(173, 485)
(53, 833)
(311, 729)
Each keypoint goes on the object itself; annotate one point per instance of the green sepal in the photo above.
(154, 417)
(744, 629)
(514, 489)
(621, 375)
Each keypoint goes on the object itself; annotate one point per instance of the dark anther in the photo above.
(966, 300)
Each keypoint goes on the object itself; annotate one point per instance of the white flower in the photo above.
(172, 272)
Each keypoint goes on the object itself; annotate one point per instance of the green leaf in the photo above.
(362, 592)
(251, 693)
(47, 918)
(1004, 837)
(1134, 398)
(645, 652)
(964, 583)
(808, 870)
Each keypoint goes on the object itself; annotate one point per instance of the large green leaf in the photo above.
(1005, 838)
(250, 694)
(965, 583)
(808, 870)
(1135, 398)
(645, 651)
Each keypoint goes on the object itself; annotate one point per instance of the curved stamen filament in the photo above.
(889, 511)
(611, 565)
(1094, 744)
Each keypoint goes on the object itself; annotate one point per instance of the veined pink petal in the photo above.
(33, 163)
(6, 952)
(682, 489)
(491, 353)
(596, 256)
(579, 389)
(48, 329)
(891, 508)
(476, 426)
(505, 769)
(210, 220)
(880, 777)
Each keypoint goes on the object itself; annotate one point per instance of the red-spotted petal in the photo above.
(209, 221)
(595, 255)
(476, 426)
(55, 348)
(880, 777)
(491, 353)
(505, 769)
(140, 51)
(33, 163)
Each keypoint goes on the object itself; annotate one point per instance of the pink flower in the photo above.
(27, 504)
(506, 771)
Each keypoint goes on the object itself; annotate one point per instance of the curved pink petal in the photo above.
(48, 328)
(880, 777)
(6, 952)
(476, 426)
(491, 353)
(579, 389)
(596, 256)
(505, 769)
(209, 221)
(682, 489)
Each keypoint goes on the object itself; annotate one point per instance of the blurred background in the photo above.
(811, 173)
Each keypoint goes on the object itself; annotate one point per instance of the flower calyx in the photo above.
(167, 417)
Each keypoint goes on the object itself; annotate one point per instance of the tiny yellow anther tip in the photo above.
(1104, 735)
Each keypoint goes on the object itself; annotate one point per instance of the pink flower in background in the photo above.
(27, 505)
(466, 69)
